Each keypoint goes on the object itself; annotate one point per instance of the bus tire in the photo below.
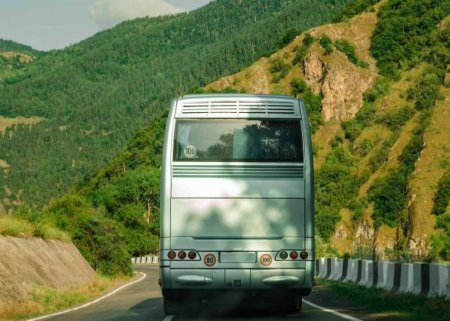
(292, 305)
(170, 306)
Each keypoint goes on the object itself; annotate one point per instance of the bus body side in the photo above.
(227, 225)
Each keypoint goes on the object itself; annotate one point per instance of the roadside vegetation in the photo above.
(18, 227)
(45, 300)
(380, 303)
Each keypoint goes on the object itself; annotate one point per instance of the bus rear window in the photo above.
(238, 140)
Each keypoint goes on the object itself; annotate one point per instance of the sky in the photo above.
(55, 24)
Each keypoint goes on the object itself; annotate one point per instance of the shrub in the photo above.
(349, 50)
(396, 118)
(389, 196)
(288, 37)
(326, 43)
(442, 197)
(352, 129)
(99, 239)
(378, 89)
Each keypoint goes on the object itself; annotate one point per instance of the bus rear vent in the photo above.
(236, 108)
(241, 170)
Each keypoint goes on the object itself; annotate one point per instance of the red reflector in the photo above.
(293, 255)
(192, 255)
(303, 255)
(171, 255)
(182, 255)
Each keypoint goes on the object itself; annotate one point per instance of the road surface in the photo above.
(142, 301)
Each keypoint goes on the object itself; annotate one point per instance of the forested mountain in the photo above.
(377, 91)
(382, 172)
(96, 94)
(13, 58)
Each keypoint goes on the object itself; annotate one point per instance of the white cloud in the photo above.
(107, 13)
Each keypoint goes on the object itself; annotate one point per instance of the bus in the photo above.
(237, 209)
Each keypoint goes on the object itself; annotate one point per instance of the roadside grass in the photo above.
(18, 227)
(385, 305)
(45, 300)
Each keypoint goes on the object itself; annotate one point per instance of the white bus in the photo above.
(237, 212)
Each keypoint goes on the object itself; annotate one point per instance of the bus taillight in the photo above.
(182, 255)
(293, 255)
(171, 255)
(192, 255)
(303, 255)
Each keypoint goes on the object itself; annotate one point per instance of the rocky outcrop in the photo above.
(341, 82)
(52, 263)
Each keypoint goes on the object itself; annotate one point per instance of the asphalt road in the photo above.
(143, 301)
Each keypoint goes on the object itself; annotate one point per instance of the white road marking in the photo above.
(344, 316)
(168, 318)
(92, 302)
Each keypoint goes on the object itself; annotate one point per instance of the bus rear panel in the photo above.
(237, 199)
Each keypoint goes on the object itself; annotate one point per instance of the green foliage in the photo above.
(378, 89)
(390, 193)
(440, 243)
(352, 129)
(97, 94)
(353, 8)
(279, 69)
(99, 239)
(389, 196)
(302, 50)
(300, 89)
(289, 35)
(336, 186)
(364, 147)
(326, 44)
(358, 207)
(442, 197)
(426, 90)
(402, 35)
(396, 118)
(381, 155)
(349, 50)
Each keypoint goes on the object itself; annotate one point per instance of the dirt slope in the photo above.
(24, 262)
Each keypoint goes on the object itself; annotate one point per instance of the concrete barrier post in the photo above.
(366, 273)
(339, 269)
(421, 278)
(439, 278)
(334, 268)
(322, 267)
(352, 271)
(155, 259)
(344, 269)
(382, 274)
(406, 278)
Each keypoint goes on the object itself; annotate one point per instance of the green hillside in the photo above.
(13, 58)
(382, 182)
(96, 94)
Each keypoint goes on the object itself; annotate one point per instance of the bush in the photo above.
(442, 197)
(288, 37)
(349, 50)
(326, 43)
(389, 196)
(396, 118)
(352, 129)
(378, 89)
(99, 239)
(440, 243)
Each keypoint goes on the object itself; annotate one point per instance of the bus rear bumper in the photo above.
(236, 279)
